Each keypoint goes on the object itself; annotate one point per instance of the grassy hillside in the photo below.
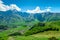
(39, 31)
(41, 27)
(39, 36)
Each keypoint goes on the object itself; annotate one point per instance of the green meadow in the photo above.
(37, 32)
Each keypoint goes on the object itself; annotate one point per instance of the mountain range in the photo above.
(20, 18)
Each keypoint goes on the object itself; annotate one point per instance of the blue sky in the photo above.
(32, 4)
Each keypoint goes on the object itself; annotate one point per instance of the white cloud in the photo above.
(1, 1)
(13, 6)
(4, 7)
(48, 9)
(38, 10)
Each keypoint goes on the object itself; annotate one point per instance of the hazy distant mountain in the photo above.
(17, 18)
(14, 18)
(47, 16)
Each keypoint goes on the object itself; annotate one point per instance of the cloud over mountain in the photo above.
(38, 10)
(4, 7)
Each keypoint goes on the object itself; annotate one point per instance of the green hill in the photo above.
(41, 27)
(40, 31)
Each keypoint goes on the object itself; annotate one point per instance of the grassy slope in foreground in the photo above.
(10, 31)
(42, 35)
(39, 36)
(49, 26)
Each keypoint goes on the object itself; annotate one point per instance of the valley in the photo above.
(25, 26)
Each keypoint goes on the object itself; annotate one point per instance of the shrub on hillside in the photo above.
(52, 38)
(36, 29)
